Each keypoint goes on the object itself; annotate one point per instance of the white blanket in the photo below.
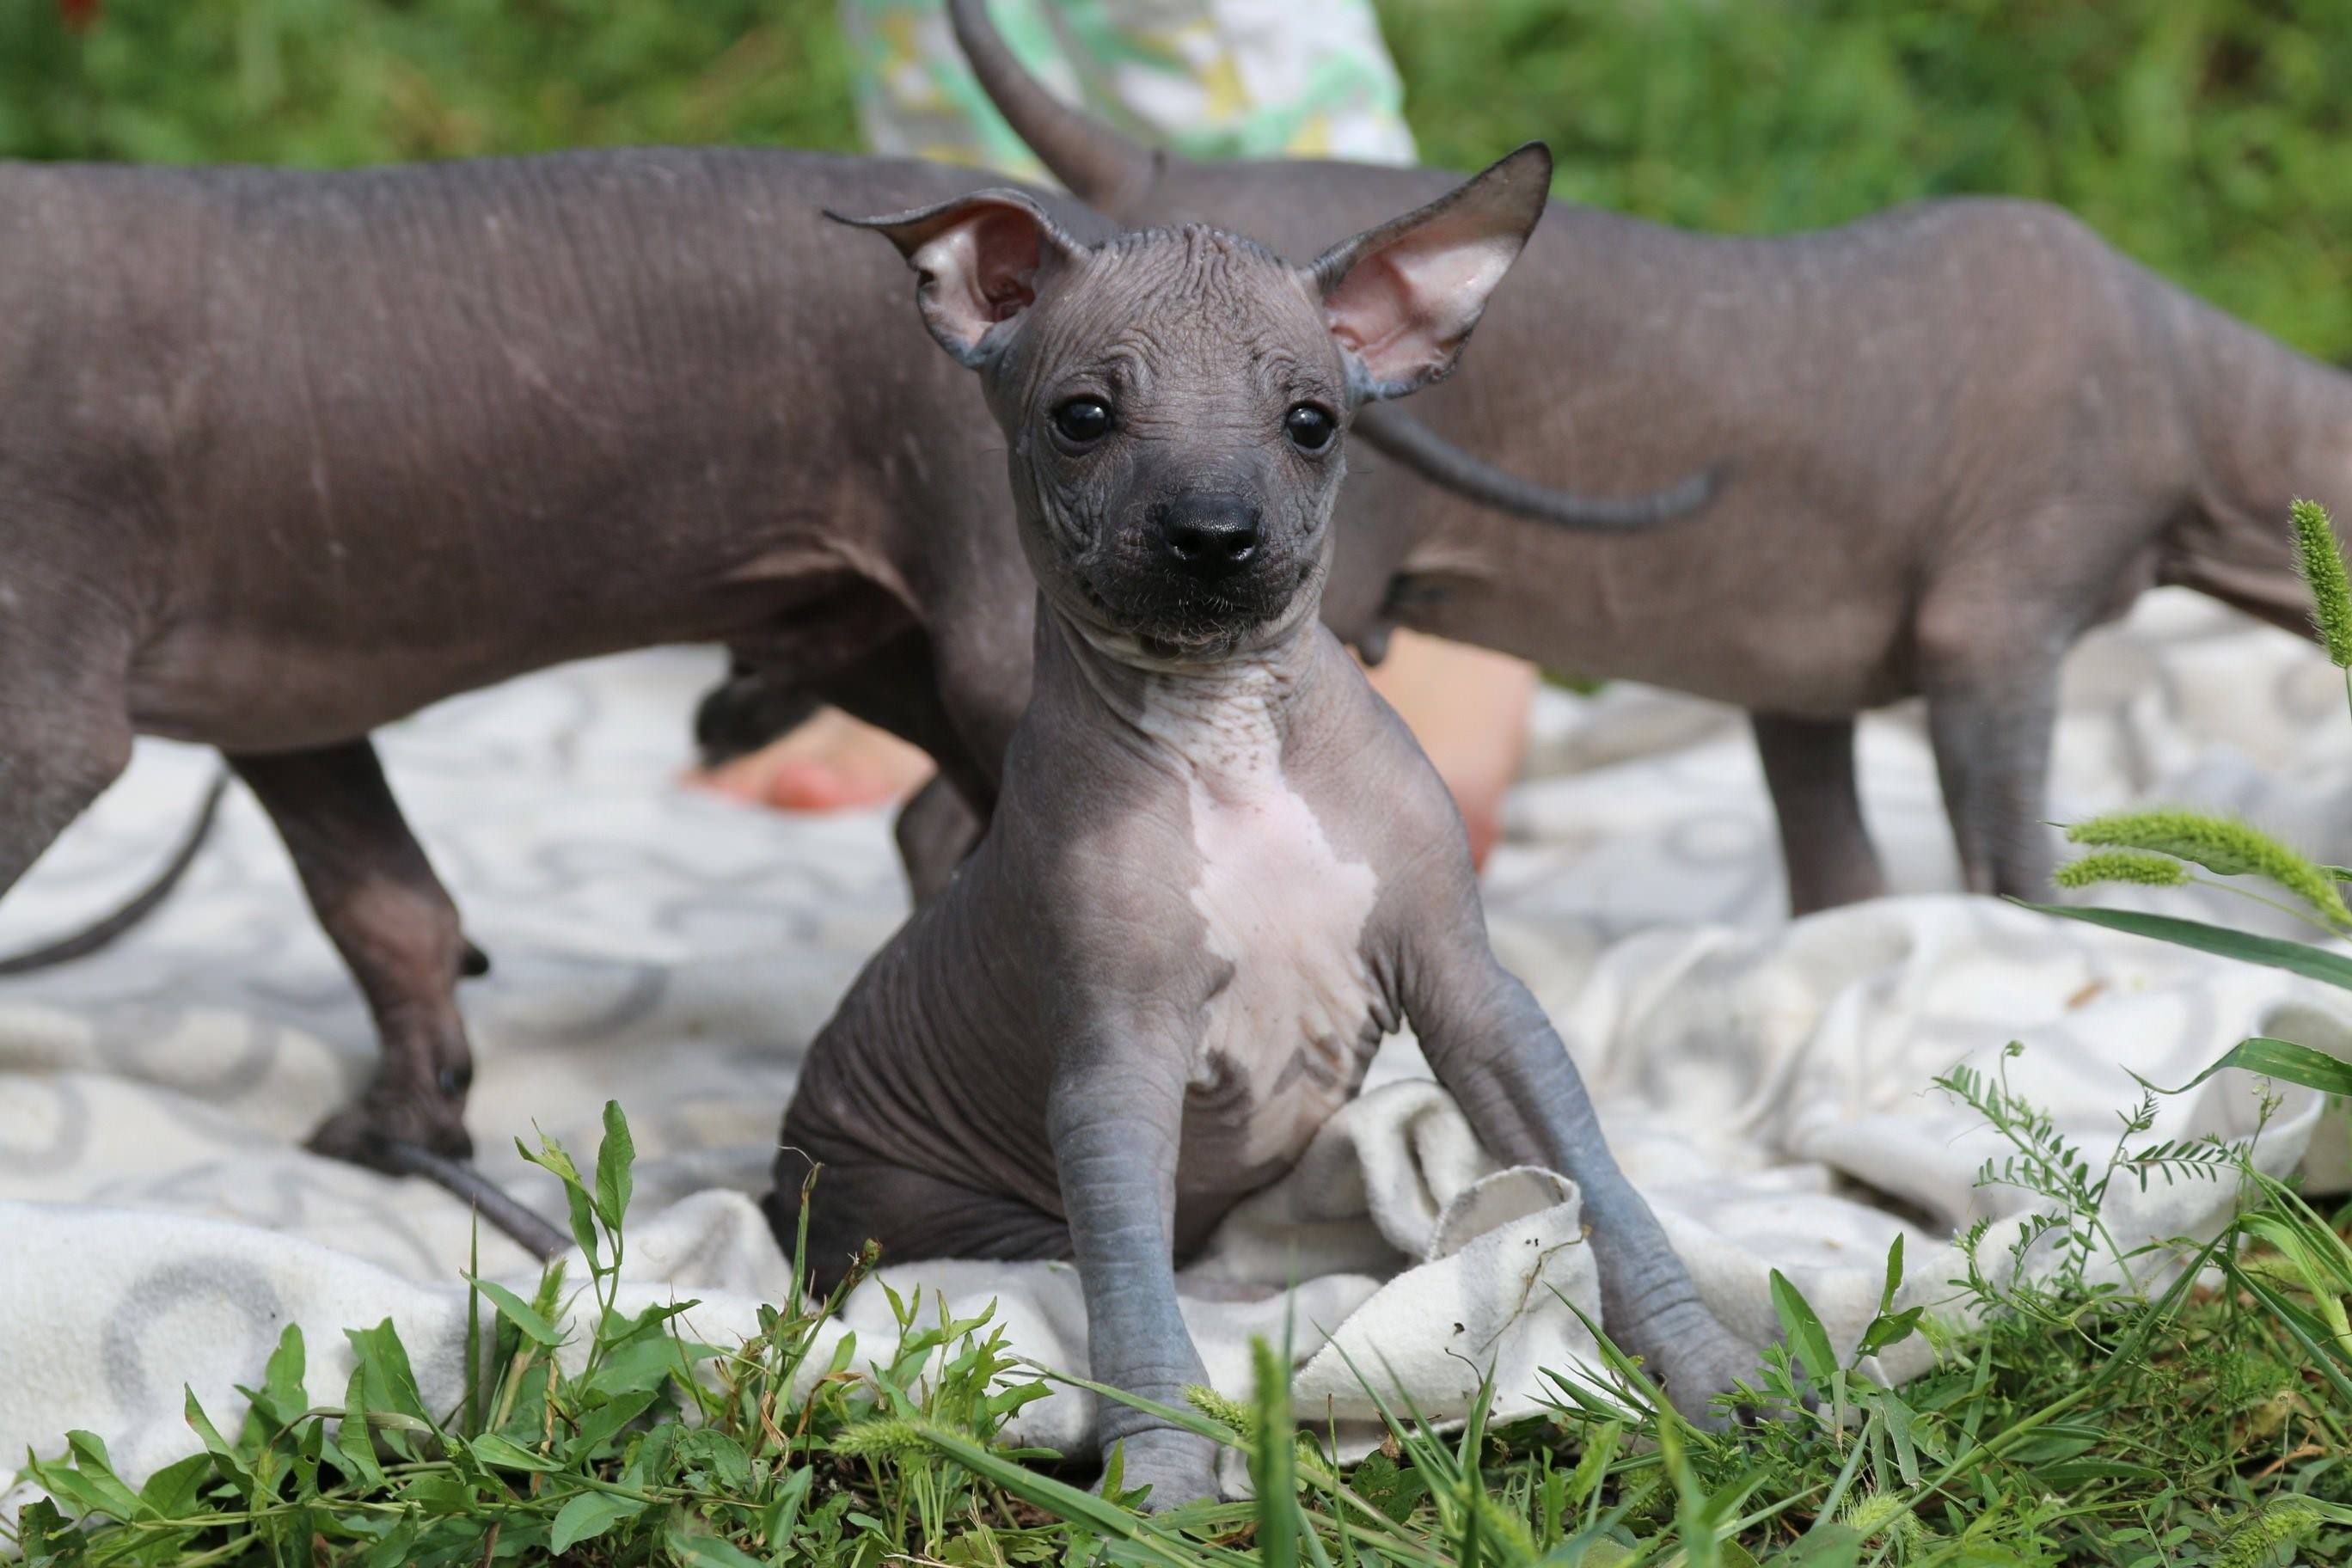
(1767, 1085)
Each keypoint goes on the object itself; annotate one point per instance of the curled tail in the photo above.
(463, 1180)
(1447, 466)
(103, 932)
(1100, 167)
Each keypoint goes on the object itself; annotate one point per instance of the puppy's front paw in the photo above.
(1179, 1467)
(1699, 1359)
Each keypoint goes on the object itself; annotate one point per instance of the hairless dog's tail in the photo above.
(2269, 427)
(106, 930)
(1443, 464)
(1101, 168)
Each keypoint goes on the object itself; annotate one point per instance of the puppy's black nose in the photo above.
(1210, 536)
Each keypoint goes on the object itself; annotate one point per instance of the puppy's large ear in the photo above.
(981, 258)
(1401, 299)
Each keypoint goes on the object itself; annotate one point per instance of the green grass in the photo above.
(2207, 1421)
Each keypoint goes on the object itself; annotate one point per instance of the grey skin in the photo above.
(292, 455)
(1220, 869)
(289, 454)
(1949, 439)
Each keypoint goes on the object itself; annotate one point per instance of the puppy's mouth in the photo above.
(1171, 616)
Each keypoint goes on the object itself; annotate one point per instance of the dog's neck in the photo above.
(1211, 712)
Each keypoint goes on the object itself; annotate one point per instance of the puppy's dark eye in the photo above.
(1082, 420)
(1309, 428)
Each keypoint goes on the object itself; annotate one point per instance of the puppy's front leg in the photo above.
(1494, 1051)
(1115, 1118)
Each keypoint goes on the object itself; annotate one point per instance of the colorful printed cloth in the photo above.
(1211, 79)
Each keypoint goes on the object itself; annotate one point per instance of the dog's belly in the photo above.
(1285, 1039)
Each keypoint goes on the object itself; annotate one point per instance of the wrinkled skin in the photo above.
(1220, 869)
(1951, 438)
(289, 454)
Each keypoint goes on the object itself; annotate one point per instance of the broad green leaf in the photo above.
(1893, 1330)
(614, 1158)
(785, 1511)
(1894, 1275)
(1802, 1327)
(2056, 1440)
(214, 1443)
(1600, 1453)
(355, 1440)
(44, 1538)
(1901, 1423)
(172, 1491)
(398, 1545)
(588, 1516)
(515, 1310)
(81, 1496)
(281, 1399)
(387, 1359)
(706, 1551)
(2280, 1059)
(645, 1364)
(2274, 952)
(96, 1468)
(506, 1454)
(605, 1420)
(707, 1449)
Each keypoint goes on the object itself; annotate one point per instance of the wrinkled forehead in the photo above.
(1191, 305)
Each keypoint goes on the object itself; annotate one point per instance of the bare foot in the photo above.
(832, 762)
(1468, 708)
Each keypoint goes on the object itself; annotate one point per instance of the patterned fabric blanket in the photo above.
(1768, 1084)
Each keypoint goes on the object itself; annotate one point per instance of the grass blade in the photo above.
(2272, 952)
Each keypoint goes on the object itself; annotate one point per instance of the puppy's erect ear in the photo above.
(1401, 299)
(981, 258)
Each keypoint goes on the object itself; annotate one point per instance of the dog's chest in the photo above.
(1285, 1039)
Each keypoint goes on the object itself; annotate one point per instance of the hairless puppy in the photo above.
(1951, 438)
(1220, 869)
(289, 455)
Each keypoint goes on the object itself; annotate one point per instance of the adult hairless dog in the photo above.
(1953, 436)
(289, 455)
(1220, 869)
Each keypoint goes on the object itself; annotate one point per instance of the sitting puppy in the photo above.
(1220, 869)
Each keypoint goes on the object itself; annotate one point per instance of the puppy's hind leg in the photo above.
(388, 915)
(909, 1214)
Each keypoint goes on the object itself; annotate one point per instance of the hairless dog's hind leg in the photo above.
(1808, 767)
(388, 915)
(64, 717)
(909, 1214)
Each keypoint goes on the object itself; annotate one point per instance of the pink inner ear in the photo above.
(1404, 311)
(1006, 248)
(981, 270)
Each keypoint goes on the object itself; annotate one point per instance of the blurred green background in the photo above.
(2209, 138)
